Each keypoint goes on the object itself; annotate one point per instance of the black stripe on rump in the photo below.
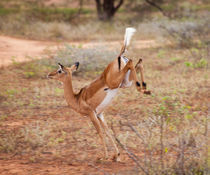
(119, 62)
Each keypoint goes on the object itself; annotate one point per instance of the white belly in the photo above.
(111, 93)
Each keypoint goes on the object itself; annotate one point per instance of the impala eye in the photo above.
(59, 71)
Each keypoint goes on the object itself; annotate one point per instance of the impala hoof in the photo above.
(116, 158)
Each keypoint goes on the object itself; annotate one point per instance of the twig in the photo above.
(156, 6)
(130, 154)
(206, 139)
(180, 156)
(161, 143)
(142, 139)
(134, 130)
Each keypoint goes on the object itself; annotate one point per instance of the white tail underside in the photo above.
(129, 32)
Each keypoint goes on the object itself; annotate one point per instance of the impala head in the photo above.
(63, 72)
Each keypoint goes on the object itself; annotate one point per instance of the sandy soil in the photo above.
(20, 50)
(30, 103)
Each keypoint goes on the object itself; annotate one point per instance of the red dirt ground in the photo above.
(19, 49)
(30, 102)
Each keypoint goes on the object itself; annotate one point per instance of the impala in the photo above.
(92, 100)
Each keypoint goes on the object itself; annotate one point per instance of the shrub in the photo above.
(9, 143)
(91, 59)
(184, 34)
(202, 63)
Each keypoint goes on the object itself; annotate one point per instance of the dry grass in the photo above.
(166, 131)
(53, 23)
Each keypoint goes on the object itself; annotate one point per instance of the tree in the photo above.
(107, 9)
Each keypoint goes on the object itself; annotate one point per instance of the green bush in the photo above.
(202, 63)
(7, 11)
(52, 14)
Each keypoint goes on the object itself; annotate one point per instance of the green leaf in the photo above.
(188, 116)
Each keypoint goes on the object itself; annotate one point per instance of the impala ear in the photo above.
(60, 65)
(77, 65)
(74, 67)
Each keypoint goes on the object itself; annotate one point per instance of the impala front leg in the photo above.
(96, 124)
(115, 78)
(107, 131)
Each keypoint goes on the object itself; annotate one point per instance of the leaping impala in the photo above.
(92, 100)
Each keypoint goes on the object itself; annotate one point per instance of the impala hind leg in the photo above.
(133, 76)
(139, 68)
(96, 123)
(107, 131)
(120, 75)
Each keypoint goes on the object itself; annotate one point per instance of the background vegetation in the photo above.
(165, 133)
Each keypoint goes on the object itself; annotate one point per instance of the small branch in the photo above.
(180, 157)
(118, 5)
(156, 6)
(130, 154)
(134, 130)
(206, 139)
(161, 143)
(143, 140)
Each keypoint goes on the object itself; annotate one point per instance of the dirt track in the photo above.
(22, 50)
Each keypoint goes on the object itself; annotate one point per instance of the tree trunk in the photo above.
(107, 9)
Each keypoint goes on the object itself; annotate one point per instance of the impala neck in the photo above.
(69, 93)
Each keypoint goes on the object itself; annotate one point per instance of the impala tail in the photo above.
(129, 32)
